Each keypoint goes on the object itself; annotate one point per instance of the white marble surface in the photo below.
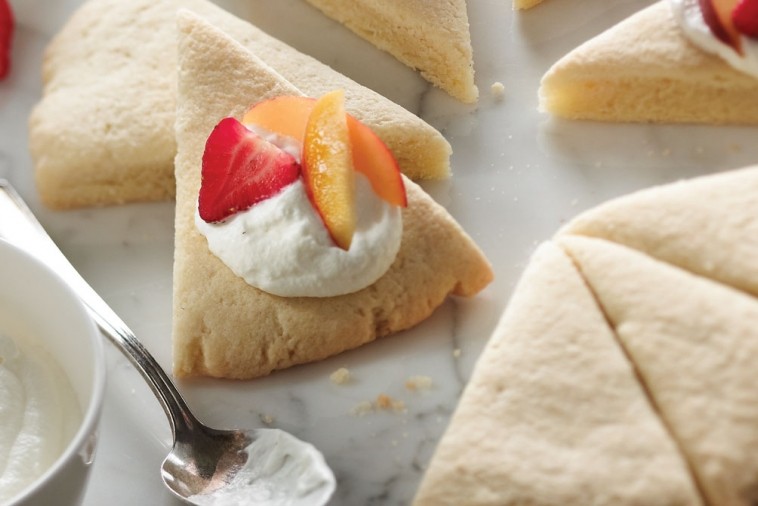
(518, 176)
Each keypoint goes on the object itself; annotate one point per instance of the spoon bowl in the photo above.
(272, 466)
(206, 466)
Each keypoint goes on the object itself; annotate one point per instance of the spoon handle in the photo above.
(19, 226)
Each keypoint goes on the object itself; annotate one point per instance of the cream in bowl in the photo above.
(52, 378)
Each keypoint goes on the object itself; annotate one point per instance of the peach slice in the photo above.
(328, 167)
(718, 16)
(288, 115)
(285, 115)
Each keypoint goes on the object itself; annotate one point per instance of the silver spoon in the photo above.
(206, 466)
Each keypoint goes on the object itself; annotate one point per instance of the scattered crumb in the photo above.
(267, 419)
(340, 377)
(457, 353)
(385, 402)
(418, 383)
(362, 408)
(498, 90)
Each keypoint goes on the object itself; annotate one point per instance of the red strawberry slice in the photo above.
(745, 17)
(6, 35)
(239, 170)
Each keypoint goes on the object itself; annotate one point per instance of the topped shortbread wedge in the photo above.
(647, 69)
(103, 132)
(226, 325)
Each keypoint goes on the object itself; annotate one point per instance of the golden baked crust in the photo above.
(103, 132)
(224, 327)
(645, 69)
(431, 36)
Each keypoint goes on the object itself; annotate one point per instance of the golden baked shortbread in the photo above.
(103, 132)
(224, 327)
(694, 343)
(645, 69)
(553, 414)
(705, 225)
(635, 316)
(430, 36)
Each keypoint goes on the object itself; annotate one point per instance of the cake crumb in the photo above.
(498, 90)
(267, 419)
(362, 408)
(415, 383)
(457, 353)
(340, 377)
(385, 402)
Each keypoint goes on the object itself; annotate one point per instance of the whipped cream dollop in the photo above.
(39, 413)
(281, 246)
(690, 18)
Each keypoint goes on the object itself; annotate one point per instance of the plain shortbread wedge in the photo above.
(695, 345)
(671, 274)
(553, 414)
(430, 36)
(645, 69)
(224, 327)
(705, 225)
(525, 4)
(103, 132)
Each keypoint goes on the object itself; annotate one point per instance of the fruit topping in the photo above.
(239, 170)
(718, 16)
(6, 36)
(328, 168)
(745, 18)
(288, 115)
(285, 115)
(373, 159)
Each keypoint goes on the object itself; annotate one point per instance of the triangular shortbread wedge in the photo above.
(103, 132)
(694, 343)
(431, 36)
(525, 4)
(224, 327)
(645, 69)
(554, 414)
(707, 225)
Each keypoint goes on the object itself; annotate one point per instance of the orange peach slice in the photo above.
(285, 115)
(328, 167)
(288, 115)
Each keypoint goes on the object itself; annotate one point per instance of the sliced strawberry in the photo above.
(239, 170)
(6, 36)
(745, 18)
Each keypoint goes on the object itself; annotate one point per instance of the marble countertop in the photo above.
(518, 175)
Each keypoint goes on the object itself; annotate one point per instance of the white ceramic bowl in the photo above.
(37, 297)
